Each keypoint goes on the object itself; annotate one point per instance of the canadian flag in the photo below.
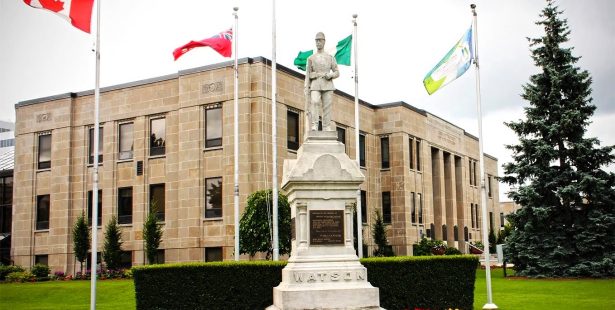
(77, 12)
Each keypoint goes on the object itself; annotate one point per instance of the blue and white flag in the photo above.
(453, 65)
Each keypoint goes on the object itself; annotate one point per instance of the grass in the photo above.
(111, 294)
(508, 294)
(528, 294)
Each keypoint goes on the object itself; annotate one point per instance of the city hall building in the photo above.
(169, 140)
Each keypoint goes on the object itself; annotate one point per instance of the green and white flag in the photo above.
(453, 65)
(342, 54)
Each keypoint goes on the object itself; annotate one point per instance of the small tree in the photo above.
(152, 233)
(112, 250)
(380, 237)
(492, 241)
(255, 228)
(81, 239)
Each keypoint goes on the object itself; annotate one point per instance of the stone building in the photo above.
(170, 140)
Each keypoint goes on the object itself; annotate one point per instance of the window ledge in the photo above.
(41, 230)
(212, 219)
(43, 170)
(292, 151)
(156, 156)
(385, 169)
(125, 160)
(92, 165)
(213, 148)
(125, 225)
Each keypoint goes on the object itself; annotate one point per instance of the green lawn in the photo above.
(111, 294)
(508, 294)
(527, 294)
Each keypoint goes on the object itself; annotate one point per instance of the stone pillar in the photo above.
(323, 271)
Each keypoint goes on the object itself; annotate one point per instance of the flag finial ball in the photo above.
(354, 15)
(235, 9)
(473, 6)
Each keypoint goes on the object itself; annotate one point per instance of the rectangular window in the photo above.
(475, 173)
(213, 254)
(42, 212)
(413, 208)
(213, 197)
(386, 207)
(364, 207)
(157, 138)
(472, 214)
(489, 190)
(213, 127)
(362, 150)
(126, 141)
(41, 259)
(477, 215)
(124, 205)
(44, 151)
(418, 155)
(91, 150)
(470, 172)
(384, 151)
(491, 220)
(420, 204)
(411, 152)
(159, 259)
(126, 259)
(501, 219)
(341, 136)
(292, 130)
(157, 200)
(99, 221)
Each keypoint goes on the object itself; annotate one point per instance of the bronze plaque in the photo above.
(326, 227)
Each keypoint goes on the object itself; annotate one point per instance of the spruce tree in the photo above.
(380, 237)
(81, 240)
(566, 224)
(152, 233)
(112, 249)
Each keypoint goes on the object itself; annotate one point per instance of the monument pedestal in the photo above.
(323, 271)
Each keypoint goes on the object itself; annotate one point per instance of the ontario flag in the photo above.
(77, 12)
(221, 43)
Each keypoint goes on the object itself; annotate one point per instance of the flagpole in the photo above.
(274, 137)
(94, 206)
(483, 193)
(236, 137)
(356, 131)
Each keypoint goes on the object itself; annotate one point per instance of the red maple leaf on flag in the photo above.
(53, 5)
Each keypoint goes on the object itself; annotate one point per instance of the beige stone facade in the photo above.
(428, 157)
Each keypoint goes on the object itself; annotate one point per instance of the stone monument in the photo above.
(323, 271)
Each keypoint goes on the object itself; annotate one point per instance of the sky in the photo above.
(399, 41)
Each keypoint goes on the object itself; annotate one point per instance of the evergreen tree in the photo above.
(380, 237)
(566, 224)
(112, 249)
(152, 234)
(81, 240)
(255, 224)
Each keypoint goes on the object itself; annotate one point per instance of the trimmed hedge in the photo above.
(218, 285)
(430, 282)
(424, 282)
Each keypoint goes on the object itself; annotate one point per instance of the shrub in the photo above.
(425, 246)
(20, 276)
(452, 251)
(440, 282)
(58, 275)
(40, 271)
(6, 269)
(112, 247)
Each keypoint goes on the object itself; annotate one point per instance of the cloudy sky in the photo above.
(399, 42)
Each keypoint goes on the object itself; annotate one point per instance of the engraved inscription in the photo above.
(326, 227)
(43, 117)
(329, 276)
(214, 87)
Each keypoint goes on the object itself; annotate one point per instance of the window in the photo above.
(413, 208)
(157, 139)
(99, 221)
(213, 254)
(418, 155)
(362, 150)
(126, 259)
(91, 146)
(341, 136)
(420, 204)
(466, 235)
(157, 200)
(411, 152)
(501, 219)
(489, 186)
(491, 219)
(42, 212)
(213, 197)
(384, 151)
(44, 151)
(471, 172)
(41, 259)
(455, 233)
(475, 173)
(477, 215)
(472, 214)
(159, 258)
(124, 205)
(292, 130)
(444, 233)
(213, 126)
(386, 207)
(364, 207)
(433, 231)
(126, 141)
